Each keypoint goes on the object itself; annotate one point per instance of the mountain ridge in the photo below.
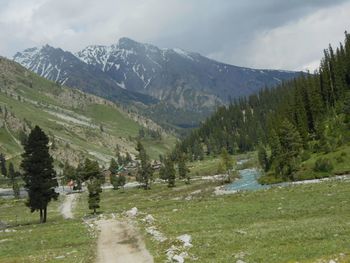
(131, 72)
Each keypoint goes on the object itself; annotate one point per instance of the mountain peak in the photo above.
(125, 42)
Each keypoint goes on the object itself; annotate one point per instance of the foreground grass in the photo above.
(301, 223)
(304, 223)
(58, 240)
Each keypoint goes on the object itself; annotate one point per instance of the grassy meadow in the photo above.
(58, 240)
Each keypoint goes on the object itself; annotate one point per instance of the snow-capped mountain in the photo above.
(66, 69)
(132, 71)
(177, 76)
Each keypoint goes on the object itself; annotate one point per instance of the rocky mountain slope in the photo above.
(130, 72)
(79, 125)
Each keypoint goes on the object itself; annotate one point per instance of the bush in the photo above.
(343, 154)
(323, 165)
(305, 156)
(339, 159)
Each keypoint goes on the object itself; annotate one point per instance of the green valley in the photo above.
(79, 125)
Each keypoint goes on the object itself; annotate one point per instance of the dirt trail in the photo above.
(119, 242)
(67, 206)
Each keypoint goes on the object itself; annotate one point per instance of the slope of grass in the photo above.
(303, 223)
(58, 240)
(7, 143)
(91, 126)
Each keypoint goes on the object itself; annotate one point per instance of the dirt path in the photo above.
(119, 242)
(67, 206)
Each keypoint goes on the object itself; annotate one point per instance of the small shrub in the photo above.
(323, 165)
(339, 159)
(343, 154)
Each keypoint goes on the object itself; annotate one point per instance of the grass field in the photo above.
(302, 223)
(305, 223)
(58, 240)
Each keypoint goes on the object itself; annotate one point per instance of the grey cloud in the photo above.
(225, 30)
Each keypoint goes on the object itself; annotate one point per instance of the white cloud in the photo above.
(299, 45)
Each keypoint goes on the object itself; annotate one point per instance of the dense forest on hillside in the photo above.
(286, 124)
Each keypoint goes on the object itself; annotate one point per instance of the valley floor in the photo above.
(300, 223)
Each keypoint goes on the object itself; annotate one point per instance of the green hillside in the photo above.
(79, 125)
(301, 128)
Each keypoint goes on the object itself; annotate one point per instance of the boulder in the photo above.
(132, 212)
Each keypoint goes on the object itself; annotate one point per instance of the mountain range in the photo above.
(159, 81)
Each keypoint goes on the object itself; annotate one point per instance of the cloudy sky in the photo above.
(279, 34)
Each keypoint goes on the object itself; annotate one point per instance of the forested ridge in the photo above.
(287, 123)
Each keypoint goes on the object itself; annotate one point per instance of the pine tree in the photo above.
(94, 178)
(170, 172)
(3, 165)
(226, 160)
(92, 170)
(94, 188)
(346, 109)
(275, 145)
(113, 166)
(38, 173)
(144, 170)
(263, 158)
(291, 147)
(182, 168)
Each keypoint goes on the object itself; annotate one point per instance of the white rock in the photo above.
(60, 257)
(332, 261)
(156, 234)
(240, 261)
(186, 239)
(171, 252)
(178, 258)
(132, 212)
(149, 219)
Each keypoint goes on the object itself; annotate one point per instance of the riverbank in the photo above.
(249, 181)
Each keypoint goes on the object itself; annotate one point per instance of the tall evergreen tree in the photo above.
(182, 167)
(94, 177)
(113, 166)
(291, 147)
(170, 171)
(263, 158)
(94, 188)
(226, 160)
(3, 165)
(144, 170)
(38, 173)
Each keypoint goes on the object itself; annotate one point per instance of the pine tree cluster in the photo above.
(311, 112)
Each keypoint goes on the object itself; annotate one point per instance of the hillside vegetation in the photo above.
(300, 128)
(79, 125)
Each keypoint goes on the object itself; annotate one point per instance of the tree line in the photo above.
(308, 114)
